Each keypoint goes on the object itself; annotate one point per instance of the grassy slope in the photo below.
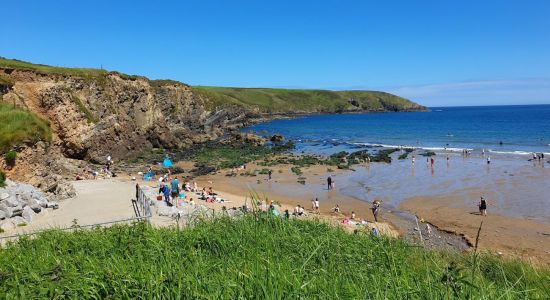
(19, 125)
(261, 258)
(265, 100)
(292, 100)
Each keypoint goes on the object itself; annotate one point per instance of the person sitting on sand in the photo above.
(300, 210)
(286, 214)
(336, 209)
(352, 215)
(296, 210)
(375, 232)
(483, 206)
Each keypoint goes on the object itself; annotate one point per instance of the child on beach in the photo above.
(316, 205)
(483, 207)
(336, 209)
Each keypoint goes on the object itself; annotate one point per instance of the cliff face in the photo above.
(115, 114)
(94, 113)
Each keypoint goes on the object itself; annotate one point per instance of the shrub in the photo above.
(296, 170)
(2, 179)
(10, 157)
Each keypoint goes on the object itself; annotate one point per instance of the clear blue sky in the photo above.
(434, 52)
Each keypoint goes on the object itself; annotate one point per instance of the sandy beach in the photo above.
(444, 197)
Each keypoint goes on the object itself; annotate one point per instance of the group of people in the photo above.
(173, 192)
(538, 156)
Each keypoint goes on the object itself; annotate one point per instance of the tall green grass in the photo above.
(252, 257)
(19, 126)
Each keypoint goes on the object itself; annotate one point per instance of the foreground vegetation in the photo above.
(19, 126)
(252, 257)
(304, 101)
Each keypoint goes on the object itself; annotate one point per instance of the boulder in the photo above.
(19, 221)
(28, 214)
(8, 211)
(167, 211)
(277, 138)
(35, 207)
(7, 225)
(17, 211)
(11, 201)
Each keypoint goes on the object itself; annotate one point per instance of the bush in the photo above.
(296, 170)
(2, 179)
(10, 157)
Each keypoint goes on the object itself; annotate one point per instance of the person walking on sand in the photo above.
(375, 209)
(488, 159)
(329, 183)
(483, 207)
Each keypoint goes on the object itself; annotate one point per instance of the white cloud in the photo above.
(485, 92)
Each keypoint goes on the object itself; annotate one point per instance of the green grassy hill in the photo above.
(264, 100)
(252, 257)
(306, 101)
(19, 126)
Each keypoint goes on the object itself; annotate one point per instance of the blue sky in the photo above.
(435, 52)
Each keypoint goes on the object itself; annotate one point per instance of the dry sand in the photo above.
(96, 201)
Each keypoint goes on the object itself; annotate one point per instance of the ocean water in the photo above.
(522, 129)
(514, 186)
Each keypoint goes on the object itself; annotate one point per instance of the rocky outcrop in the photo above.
(20, 203)
(117, 115)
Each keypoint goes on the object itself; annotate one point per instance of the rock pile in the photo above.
(19, 203)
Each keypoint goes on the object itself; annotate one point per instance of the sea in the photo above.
(515, 184)
(517, 129)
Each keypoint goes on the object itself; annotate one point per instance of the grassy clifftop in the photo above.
(19, 125)
(268, 100)
(264, 100)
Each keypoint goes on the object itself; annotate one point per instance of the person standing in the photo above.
(375, 209)
(174, 188)
(269, 174)
(316, 204)
(488, 159)
(483, 207)
(329, 183)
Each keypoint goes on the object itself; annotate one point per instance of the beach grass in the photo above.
(19, 125)
(252, 257)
